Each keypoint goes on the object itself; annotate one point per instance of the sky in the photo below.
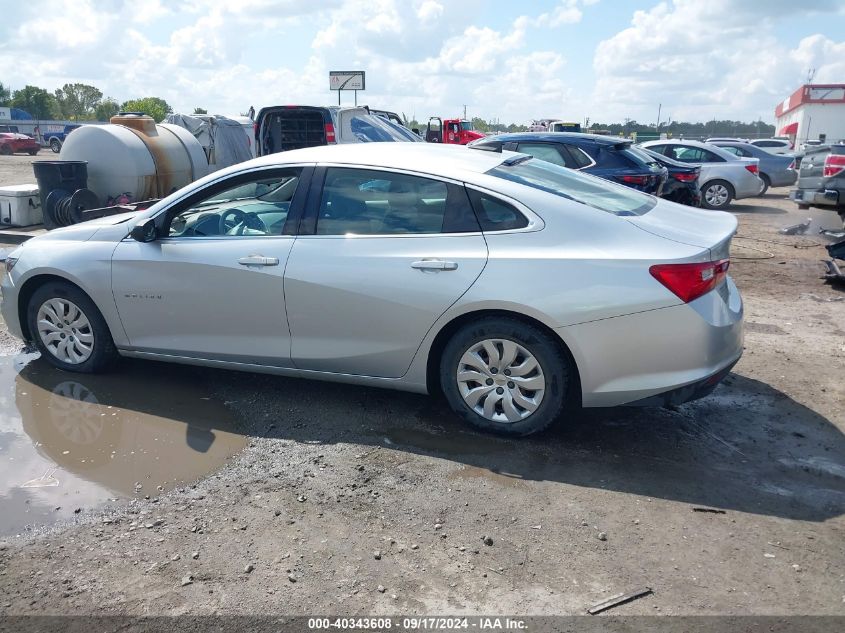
(609, 60)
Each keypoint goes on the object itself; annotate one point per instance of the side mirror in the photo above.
(144, 231)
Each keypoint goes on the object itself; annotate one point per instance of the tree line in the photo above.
(79, 102)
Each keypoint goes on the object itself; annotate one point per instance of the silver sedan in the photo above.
(724, 177)
(516, 288)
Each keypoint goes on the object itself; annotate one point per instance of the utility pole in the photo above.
(659, 108)
(465, 112)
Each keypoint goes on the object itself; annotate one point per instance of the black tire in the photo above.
(5, 150)
(103, 353)
(766, 184)
(56, 145)
(33, 152)
(713, 184)
(554, 365)
(803, 207)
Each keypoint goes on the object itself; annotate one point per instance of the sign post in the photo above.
(346, 80)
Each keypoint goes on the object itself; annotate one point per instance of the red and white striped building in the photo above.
(814, 111)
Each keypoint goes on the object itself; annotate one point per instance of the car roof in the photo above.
(431, 158)
(557, 137)
(675, 141)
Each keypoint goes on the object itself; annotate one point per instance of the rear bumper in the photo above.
(633, 358)
(816, 197)
(747, 185)
(688, 393)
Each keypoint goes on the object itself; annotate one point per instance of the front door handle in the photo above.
(434, 264)
(258, 260)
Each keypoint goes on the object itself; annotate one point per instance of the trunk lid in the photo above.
(712, 230)
(810, 174)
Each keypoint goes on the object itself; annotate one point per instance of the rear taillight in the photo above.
(685, 177)
(792, 165)
(330, 137)
(635, 180)
(752, 168)
(833, 164)
(690, 281)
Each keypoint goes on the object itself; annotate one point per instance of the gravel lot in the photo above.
(349, 500)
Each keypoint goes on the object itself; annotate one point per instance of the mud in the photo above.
(70, 441)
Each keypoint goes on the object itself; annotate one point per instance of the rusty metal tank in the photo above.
(133, 156)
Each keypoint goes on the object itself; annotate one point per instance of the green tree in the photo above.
(37, 101)
(480, 124)
(5, 95)
(153, 106)
(106, 109)
(78, 101)
(200, 111)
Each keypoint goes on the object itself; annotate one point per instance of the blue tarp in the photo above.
(21, 115)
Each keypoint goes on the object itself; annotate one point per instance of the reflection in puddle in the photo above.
(71, 441)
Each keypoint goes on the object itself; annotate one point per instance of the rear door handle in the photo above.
(434, 264)
(258, 260)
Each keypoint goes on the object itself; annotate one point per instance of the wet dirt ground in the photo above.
(730, 505)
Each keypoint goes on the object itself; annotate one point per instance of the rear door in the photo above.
(380, 257)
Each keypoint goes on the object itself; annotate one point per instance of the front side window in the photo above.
(577, 186)
(249, 206)
(373, 202)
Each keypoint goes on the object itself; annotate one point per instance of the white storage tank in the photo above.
(135, 157)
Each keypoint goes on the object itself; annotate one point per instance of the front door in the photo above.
(389, 253)
(212, 285)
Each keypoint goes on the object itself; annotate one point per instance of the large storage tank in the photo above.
(135, 157)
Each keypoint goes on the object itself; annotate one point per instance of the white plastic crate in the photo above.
(20, 205)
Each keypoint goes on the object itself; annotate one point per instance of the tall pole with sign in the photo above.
(347, 80)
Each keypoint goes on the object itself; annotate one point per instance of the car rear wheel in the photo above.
(5, 150)
(56, 145)
(716, 194)
(504, 376)
(69, 330)
(765, 186)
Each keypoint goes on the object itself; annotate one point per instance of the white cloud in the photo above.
(688, 56)
(429, 10)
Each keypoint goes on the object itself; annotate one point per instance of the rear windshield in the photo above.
(639, 156)
(573, 185)
(373, 128)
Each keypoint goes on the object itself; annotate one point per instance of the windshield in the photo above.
(466, 126)
(372, 128)
(572, 185)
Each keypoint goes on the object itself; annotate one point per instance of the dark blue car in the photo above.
(608, 157)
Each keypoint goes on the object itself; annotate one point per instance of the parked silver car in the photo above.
(724, 176)
(775, 170)
(514, 286)
(774, 145)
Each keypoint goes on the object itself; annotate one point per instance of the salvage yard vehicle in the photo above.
(774, 145)
(821, 179)
(511, 285)
(724, 176)
(451, 131)
(15, 143)
(54, 139)
(283, 128)
(775, 170)
(681, 184)
(615, 159)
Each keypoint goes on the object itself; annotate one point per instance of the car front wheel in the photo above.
(716, 194)
(55, 145)
(69, 330)
(505, 376)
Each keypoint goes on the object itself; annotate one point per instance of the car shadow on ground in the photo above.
(757, 209)
(747, 447)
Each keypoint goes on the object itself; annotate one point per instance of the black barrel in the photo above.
(69, 175)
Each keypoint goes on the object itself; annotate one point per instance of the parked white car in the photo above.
(724, 176)
(774, 145)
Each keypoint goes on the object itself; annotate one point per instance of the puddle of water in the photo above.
(473, 472)
(71, 441)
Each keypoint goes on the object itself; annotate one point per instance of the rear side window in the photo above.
(577, 186)
(543, 151)
(372, 128)
(372, 202)
(579, 158)
(694, 155)
(495, 214)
